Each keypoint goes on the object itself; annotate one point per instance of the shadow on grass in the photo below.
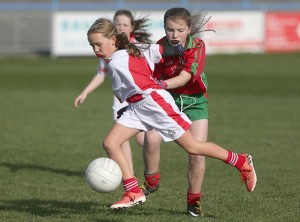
(59, 209)
(66, 209)
(47, 207)
(17, 167)
(158, 212)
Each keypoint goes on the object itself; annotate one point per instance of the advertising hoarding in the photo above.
(235, 32)
(69, 30)
(282, 31)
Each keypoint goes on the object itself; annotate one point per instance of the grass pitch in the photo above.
(46, 144)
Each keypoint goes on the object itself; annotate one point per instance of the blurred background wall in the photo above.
(28, 26)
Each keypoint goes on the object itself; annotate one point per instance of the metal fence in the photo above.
(145, 4)
(26, 25)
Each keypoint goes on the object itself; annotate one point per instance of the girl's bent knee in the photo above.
(193, 151)
(106, 144)
(196, 158)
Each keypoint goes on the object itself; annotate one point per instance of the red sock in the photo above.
(193, 197)
(131, 185)
(235, 159)
(152, 179)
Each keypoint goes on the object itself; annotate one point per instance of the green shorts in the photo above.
(194, 106)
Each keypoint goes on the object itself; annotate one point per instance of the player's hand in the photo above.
(180, 49)
(162, 83)
(121, 111)
(80, 99)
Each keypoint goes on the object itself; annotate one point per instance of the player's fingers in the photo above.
(77, 102)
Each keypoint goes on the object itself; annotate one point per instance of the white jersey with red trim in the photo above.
(102, 69)
(131, 75)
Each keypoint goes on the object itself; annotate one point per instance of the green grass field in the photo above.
(46, 144)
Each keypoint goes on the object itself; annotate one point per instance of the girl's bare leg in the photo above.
(139, 138)
(126, 148)
(112, 145)
(151, 151)
(192, 146)
(196, 164)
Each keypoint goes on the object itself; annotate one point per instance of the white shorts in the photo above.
(156, 111)
(117, 105)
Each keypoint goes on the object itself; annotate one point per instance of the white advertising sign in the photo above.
(69, 30)
(235, 31)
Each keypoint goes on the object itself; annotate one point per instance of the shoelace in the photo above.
(131, 198)
(143, 187)
(197, 206)
(244, 174)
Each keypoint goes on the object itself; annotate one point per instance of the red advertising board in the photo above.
(282, 31)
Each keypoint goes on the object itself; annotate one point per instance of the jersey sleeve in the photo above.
(102, 68)
(158, 70)
(155, 52)
(195, 59)
(152, 53)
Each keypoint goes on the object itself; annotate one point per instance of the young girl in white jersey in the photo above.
(135, 30)
(150, 107)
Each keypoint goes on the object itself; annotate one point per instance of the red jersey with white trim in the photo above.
(131, 75)
(192, 62)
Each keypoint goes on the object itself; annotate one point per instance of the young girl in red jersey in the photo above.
(150, 107)
(135, 29)
(188, 88)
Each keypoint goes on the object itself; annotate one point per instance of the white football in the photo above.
(103, 175)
